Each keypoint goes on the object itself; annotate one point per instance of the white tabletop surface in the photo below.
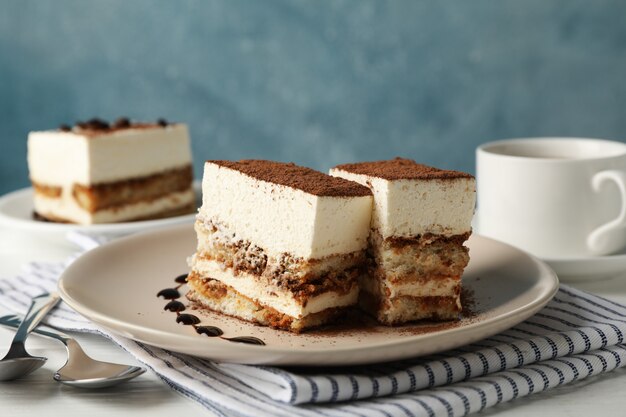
(147, 396)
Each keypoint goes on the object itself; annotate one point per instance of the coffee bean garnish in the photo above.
(97, 124)
(121, 123)
(93, 124)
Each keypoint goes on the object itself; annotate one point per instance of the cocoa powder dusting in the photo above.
(294, 176)
(352, 321)
(468, 303)
(401, 169)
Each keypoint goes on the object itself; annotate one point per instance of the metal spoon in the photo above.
(17, 362)
(80, 370)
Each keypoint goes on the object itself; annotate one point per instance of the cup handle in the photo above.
(601, 240)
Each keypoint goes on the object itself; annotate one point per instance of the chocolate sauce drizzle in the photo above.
(169, 293)
(190, 320)
(174, 306)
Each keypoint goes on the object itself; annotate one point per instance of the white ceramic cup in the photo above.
(553, 197)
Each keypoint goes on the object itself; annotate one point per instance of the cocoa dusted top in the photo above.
(294, 176)
(401, 169)
(97, 127)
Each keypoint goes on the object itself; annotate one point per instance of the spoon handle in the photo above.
(39, 307)
(14, 321)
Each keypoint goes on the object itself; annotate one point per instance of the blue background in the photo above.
(317, 83)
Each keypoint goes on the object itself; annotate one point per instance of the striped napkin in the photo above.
(577, 335)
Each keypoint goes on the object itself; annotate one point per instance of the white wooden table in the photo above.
(39, 395)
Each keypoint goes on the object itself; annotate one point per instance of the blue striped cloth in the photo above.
(577, 335)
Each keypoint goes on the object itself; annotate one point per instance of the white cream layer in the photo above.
(66, 208)
(58, 158)
(282, 219)
(272, 296)
(407, 208)
(440, 287)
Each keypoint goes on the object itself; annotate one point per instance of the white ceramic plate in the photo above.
(16, 211)
(115, 285)
(590, 268)
(581, 269)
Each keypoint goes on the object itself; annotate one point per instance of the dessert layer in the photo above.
(120, 193)
(282, 218)
(66, 208)
(413, 278)
(399, 310)
(77, 156)
(296, 299)
(412, 199)
(113, 194)
(423, 287)
(216, 296)
(218, 243)
(417, 258)
(50, 191)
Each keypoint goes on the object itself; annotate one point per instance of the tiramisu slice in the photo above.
(278, 244)
(421, 217)
(99, 173)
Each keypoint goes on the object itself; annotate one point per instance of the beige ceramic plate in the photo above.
(116, 285)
